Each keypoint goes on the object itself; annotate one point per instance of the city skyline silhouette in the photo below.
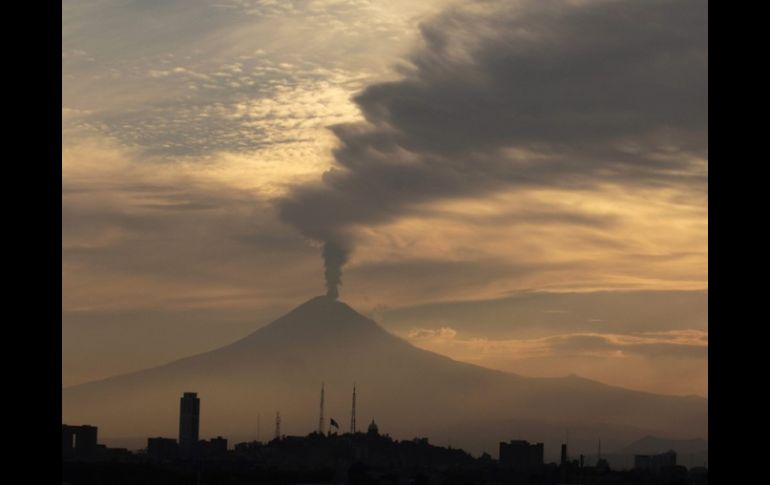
(370, 457)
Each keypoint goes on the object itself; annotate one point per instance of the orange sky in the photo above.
(175, 149)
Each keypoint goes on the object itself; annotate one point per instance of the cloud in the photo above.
(188, 78)
(668, 362)
(443, 333)
(227, 111)
(513, 95)
(694, 345)
(137, 234)
(678, 344)
(519, 147)
(535, 314)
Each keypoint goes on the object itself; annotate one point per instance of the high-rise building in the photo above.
(564, 463)
(563, 454)
(189, 420)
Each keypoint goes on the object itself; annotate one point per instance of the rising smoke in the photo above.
(335, 256)
(504, 95)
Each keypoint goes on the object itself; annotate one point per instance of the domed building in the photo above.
(373, 430)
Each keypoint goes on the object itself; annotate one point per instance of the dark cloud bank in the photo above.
(504, 95)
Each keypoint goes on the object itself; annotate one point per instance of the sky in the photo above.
(517, 184)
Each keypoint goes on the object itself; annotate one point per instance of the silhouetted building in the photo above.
(189, 420)
(373, 429)
(564, 465)
(698, 475)
(213, 448)
(114, 454)
(602, 465)
(361, 458)
(521, 455)
(563, 454)
(162, 449)
(78, 441)
(655, 463)
(249, 448)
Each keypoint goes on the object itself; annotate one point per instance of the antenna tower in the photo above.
(600, 449)
(321, 416)
(353, 412)
(277, 425)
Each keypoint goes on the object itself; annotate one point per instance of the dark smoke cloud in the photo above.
(505, 95)
(335, 256)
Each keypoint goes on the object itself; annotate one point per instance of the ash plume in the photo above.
(335, 256)
(506, 95)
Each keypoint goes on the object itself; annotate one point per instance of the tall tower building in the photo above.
(564, 454)
(189, 419)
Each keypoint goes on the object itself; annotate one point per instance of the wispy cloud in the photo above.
(681, 343)
(671, 361)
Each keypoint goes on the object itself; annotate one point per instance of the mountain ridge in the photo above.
(324, 299)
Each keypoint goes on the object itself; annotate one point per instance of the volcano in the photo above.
(410, 392)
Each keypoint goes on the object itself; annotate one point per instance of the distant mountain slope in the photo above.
(652, 444)
(409, 391)
(690, 452)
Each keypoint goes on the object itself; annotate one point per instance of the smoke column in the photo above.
(452, 125)
(335, 256)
